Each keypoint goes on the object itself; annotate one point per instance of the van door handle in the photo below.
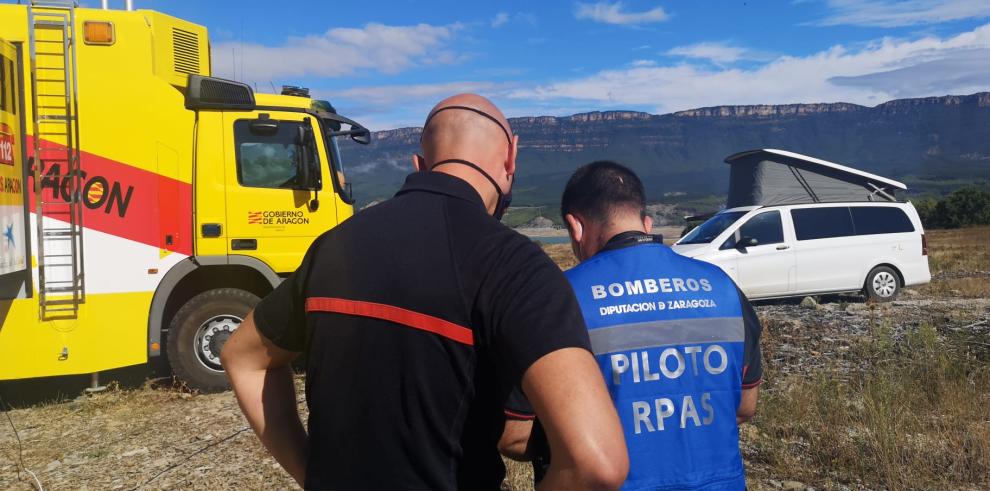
(783, 247)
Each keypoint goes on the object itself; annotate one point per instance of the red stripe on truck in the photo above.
(122, 200)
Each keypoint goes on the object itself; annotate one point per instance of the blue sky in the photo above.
(387, 62)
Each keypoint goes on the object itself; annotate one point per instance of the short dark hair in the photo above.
(600, 189)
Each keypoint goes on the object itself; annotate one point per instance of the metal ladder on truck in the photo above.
(56, 159)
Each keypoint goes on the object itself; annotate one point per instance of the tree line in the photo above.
(964, 207)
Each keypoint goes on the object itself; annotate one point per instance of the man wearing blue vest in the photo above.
(677, 341)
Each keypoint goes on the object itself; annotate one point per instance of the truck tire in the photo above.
(199, 330)
(882, 284)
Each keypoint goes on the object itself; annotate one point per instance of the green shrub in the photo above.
(967, 206)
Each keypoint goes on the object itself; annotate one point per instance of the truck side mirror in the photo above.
(362, 136)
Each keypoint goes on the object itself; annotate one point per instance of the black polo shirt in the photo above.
(418, 315)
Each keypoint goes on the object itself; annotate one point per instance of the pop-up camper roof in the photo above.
(777, 177)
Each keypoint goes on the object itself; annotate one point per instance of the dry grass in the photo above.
(960, 263)
(959, 250)
(561, 254)
(122, 439)
(915, 419)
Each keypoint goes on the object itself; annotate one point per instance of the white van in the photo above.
(799, 225)
(788, 250)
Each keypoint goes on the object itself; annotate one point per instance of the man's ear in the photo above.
(648, 223)
(419, 163)
(574, 227)
(510, 161)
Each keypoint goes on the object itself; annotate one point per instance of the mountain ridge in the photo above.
(932, 143)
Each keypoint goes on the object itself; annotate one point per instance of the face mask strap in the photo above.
(466, 108)
(503, 198)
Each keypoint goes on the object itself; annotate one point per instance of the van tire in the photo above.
(197, 334)
(882, 284)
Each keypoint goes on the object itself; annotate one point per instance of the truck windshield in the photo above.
(708, 231)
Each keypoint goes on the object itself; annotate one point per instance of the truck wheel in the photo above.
(198, 332)
(882, 284)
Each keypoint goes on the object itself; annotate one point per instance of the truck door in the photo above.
(274, 172)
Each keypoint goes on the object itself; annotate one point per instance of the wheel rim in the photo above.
(210, 338)
(884, 284)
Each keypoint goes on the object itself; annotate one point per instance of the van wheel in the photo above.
(198, 332)
(882, 284)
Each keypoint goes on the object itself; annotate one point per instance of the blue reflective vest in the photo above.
(669, 336)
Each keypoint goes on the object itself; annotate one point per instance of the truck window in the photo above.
(766, 228)
(270, 161)
(822, 223)
(870, 220)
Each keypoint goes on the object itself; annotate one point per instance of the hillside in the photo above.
(933, 144)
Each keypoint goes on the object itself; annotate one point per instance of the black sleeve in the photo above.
(518, 407)
(753, 366)
(281, 315)
(531, 308)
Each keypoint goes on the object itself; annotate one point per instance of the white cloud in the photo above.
(432, 93)
(503, 18)
(338, 52)
(716, 52)
(886, 69)
(500, 19)
(891, 13)
(614, 13)
(396, 106)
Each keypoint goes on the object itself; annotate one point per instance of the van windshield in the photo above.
(706, 232)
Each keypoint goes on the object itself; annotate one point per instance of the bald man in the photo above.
(417, 317)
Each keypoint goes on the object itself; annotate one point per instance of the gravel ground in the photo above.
(158, 437)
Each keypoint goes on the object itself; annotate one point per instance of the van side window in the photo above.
(270, 161)
(870, 220)
(765, 228)
(822, 223)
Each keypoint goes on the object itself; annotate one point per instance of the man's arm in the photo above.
(569, 396)
(752, 363)
(514, 442)
(747, 405)
(261, 377)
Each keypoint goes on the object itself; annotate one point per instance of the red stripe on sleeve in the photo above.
(394, 314)
(514, 415)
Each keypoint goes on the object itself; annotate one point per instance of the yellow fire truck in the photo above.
(145, 205)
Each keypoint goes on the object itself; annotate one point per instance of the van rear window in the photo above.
(822, 223)
(870, 220)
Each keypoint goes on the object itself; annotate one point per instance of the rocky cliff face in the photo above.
(769, 111)
(927, 142)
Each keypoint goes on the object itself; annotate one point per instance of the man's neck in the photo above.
(618, 227)
(475, 180)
